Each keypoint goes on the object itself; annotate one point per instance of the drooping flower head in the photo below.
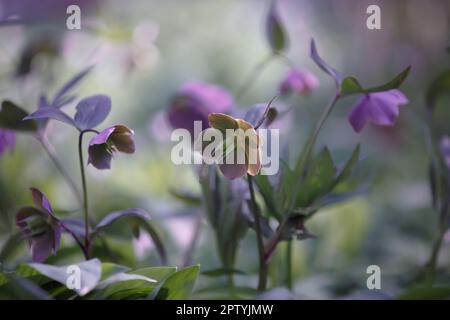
(194, 102)
(300, 82)
(238, 151)
(7, 140)
(103, 145)
(39, 227)
(379, 108)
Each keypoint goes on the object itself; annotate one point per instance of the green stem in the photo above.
(253, 75)
(85, 196)
(432, 264)
(304, 157)
(289, 249)
(263, 266)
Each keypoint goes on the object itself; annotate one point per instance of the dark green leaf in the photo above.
(11, 117)
(350, 85)
(349, 165)
(179, 285)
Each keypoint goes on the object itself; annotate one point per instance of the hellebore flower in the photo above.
(239, 151)
(39, 227)
(104, 144)
(379, 108)
(194, 102)
(301, 82)
(7, 140)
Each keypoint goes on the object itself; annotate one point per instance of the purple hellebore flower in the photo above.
(379, 108)
(103, 145)
(39, 226)
(297, 81)
(7, 140)
(194, 102)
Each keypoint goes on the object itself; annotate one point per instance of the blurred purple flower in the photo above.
(379, 108)
(445, 149)
(194, 102)
(103, 145)
(7, 140)
(297, 81)
(39, 227)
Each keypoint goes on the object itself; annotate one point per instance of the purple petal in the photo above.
(69, 86)
(41, 247)
(380, 108)
(358, 117)
(7, 140)
(51, 113)
(233, 171)
(336, 75)
(41, 201)
(99, 156)
(102, 137)
(92, 111)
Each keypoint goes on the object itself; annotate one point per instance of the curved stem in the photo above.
(306, 153)
(253, 75)
(49, 150)
(263, 266)
(85, 196)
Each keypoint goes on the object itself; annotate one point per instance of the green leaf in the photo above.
(348, 167)
(267, 192)
(179, 285)
(137, 287)
(426, 293)
(90, 272)
(350, 85)
(438, 88)
(319, 179)
(276, 35)
(11, 117)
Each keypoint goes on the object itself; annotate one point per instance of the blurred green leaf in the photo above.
(222, 272)
(439, 87)
(186, 197)
(276, 35)
(350, 85)
(179, 285)
(319, 179)
(426, 293)
(348, 167)
(11, 117)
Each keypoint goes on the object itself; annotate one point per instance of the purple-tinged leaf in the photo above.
(336, 75)
(51, 113)
(57, 100)
(114, 216)
(92, 111)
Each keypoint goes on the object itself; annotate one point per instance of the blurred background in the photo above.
(143, 51)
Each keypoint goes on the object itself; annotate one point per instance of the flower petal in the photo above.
(41, 201)
(233, 171)
(123, 139)
(99, 156)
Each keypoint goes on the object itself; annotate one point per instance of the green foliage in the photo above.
(11, 117)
